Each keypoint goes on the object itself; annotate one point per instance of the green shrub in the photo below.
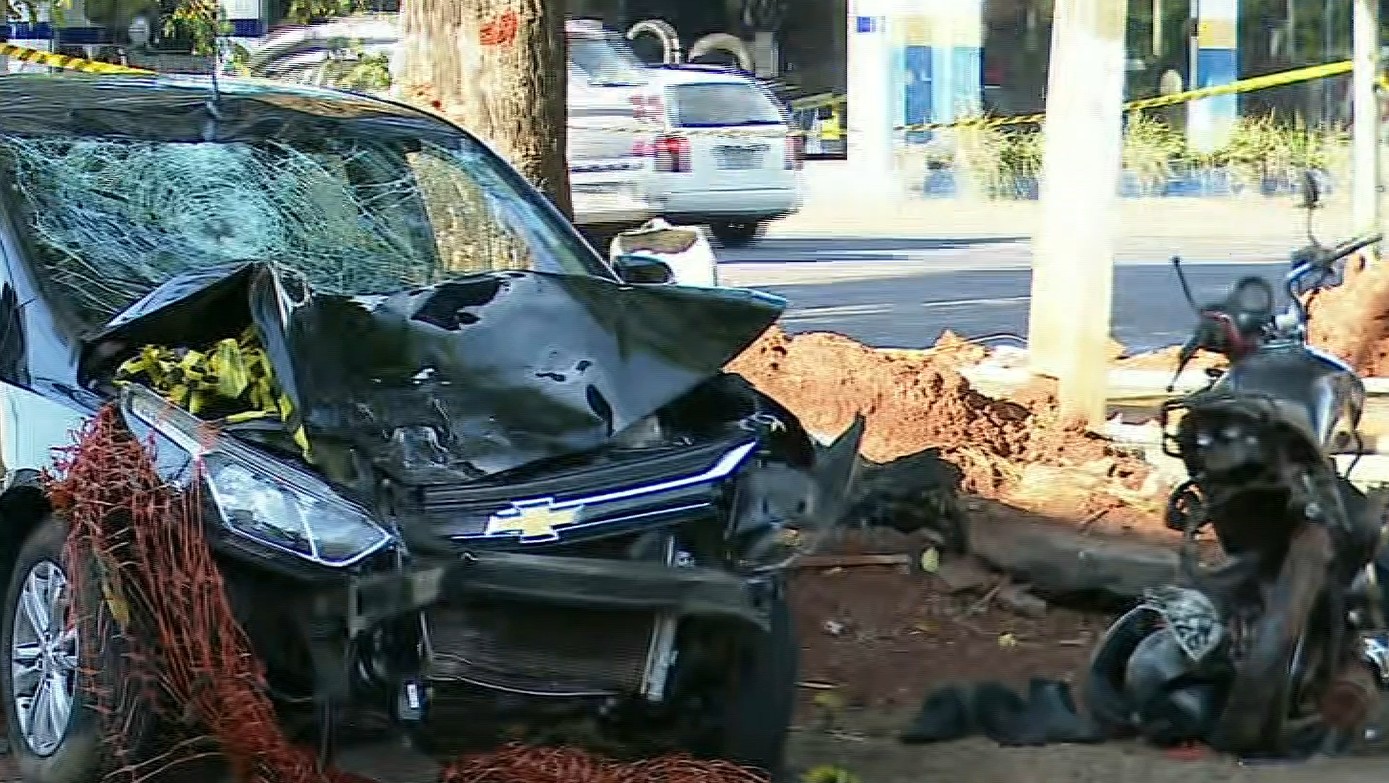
(1152, 149)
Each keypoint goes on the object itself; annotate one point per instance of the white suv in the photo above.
(726, 155)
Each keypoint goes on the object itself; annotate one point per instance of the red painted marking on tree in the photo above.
(500, 31)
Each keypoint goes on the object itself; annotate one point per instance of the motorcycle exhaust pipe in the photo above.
(1352, 697)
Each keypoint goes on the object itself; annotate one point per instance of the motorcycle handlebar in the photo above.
(1320, 260)
(1357, 244)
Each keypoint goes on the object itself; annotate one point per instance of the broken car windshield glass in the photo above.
(107, 220)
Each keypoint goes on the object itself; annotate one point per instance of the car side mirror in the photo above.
(640, 269)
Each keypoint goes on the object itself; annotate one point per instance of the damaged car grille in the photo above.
(544, 650)
(616, 506)
(611, 497)
(540, 650)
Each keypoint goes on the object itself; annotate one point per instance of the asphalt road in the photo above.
(901, 293)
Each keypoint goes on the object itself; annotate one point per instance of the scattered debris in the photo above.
(917, 492)
(1018, 600)
(828, 773)
(834, 628)
(849, 561)
(930, 560)
(961, 575)
(983, 603)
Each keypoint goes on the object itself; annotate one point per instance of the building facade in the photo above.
(908, 61)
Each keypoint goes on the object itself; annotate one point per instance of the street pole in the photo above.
(1327, 45)
(1073, 270)
(1193, 52)
(1365, 128)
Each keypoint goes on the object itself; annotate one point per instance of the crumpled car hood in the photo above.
(466, 378)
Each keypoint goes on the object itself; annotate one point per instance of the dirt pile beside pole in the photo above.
(1351, 320)
(915, 402)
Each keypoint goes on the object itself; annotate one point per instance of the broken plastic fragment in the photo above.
(930, 560)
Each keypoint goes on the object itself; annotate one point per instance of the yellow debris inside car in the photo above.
(231, 381)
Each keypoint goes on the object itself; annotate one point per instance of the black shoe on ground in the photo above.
(945, 715)
(1002, 716)
(1052, 710)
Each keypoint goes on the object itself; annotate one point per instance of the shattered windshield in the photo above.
(107, 220)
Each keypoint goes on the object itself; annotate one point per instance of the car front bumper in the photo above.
(704, 206)
(554, 580)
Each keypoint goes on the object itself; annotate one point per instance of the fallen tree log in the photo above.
(1059, 561)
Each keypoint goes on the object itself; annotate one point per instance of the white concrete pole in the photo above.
(870, 135)
(1215, 61)
(1365, 178)
(1073, 267)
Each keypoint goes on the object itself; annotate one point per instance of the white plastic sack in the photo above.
(684, 248)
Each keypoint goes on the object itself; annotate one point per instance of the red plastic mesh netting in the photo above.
(138, 542)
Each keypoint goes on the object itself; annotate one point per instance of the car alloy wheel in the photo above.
(44, 658)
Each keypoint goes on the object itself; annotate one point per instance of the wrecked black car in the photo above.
(452, 464)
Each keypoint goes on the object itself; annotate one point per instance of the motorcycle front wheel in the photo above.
(1259, 714)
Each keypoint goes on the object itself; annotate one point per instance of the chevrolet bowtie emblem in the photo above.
(533, 521)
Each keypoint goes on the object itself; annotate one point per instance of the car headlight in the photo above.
(307, 521)
(269, 502)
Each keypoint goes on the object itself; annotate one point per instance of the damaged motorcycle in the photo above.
(1272, 645)
(456, 470)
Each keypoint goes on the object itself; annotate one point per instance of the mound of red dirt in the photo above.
(1352, 319)
(914, 402)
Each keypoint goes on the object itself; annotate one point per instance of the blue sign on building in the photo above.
(866, 24)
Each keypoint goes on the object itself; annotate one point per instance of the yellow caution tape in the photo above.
(234, 375)
(63, 61)
(1241, 86)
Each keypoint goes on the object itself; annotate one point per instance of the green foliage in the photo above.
(200, 22)
(1021, 155)
(362, 72)
(979, 156)
(1258, 148)
(993, 162)
(1152, 150)
(305, 11)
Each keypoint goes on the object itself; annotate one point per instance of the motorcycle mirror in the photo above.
(1311, 190)
(1186, 287)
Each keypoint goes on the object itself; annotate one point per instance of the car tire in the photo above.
(733, 235)
(78, 755)
(761, 696)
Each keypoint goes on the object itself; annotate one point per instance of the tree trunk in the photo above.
(499, 69)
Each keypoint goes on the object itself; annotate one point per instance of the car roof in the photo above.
(78, 104)
(678, 75)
